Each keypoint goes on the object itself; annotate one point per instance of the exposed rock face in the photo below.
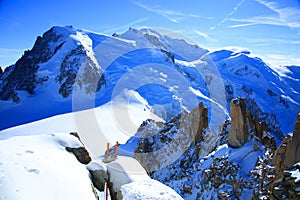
(159, 141)
(78, 67)
(199, 117)
(286, 160)
(80, 153)
(22, 75)
(99, 178)
(288, 152)
(293, 148)
(258, 116)
(238, 134)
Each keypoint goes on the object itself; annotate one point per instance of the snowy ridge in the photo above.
(79, 63)
(139, 88)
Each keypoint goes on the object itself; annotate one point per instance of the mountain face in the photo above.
(66, 60)
(225, 112)
(236, 163)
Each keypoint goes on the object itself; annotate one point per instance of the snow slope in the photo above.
(39, 167)
(131, 181)
(97, 126)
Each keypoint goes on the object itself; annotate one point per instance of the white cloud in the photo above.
(288, 16)
(9, 56)
(228, 15)
(201, 34)
(5, 52)
(281, 60)
(274, 41)
(205, 36)
(242, 25)
(121, 28)
(171, 15)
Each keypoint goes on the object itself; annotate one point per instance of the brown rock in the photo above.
(199, 122)
(81, 154)
(261, 127)
(293, 147)
(250, 120)
(288, 153)
(238, 134)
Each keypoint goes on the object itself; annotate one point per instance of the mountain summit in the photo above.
(170, 74)
(206, 123)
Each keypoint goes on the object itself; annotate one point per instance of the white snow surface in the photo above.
(148, 189)
(129, 177)
(126, 170)
(116, 121)
(39, 167)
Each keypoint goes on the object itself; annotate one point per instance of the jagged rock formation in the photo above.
(159, 141)
(245, 126)
(285, 183)
(238, 134)
(199, 117)
(226, 172)
(288, 153)
(89, 76)
(22, 75)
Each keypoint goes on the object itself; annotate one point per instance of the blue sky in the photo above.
(269, 29)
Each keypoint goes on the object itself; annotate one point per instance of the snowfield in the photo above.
(97, 126)
(39, 167)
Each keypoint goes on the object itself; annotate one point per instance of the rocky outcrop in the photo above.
(98, 174)
(286, 160)
(285, 185)
(238, 134)
(293, 148)
(288, 153)
(199, 121)
(79, 68)
(80, 153)
(245, 126)
(157, 142)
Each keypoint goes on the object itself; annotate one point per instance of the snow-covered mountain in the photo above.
(66, 62)
(101, 85)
